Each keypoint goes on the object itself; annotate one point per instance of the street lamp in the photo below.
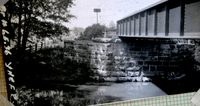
(97, 10)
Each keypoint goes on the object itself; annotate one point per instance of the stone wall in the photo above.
(152, 56)
(77, 50)
(156, 56)
(197, 55)
(96, 53)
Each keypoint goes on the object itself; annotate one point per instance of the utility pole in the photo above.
(97, 10)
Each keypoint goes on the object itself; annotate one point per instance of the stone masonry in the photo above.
(152, 56)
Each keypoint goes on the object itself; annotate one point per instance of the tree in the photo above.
(94, 31)
(77, 30)
(111, 24)
(32, 16)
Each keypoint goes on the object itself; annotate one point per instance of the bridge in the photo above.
(164, 19)
(162, 39)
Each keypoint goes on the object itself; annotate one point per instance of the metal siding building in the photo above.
(164, 19)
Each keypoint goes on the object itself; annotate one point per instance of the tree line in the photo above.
(92, 31)
(28, 18)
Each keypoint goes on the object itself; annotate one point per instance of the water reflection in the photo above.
(106, 93)
(130, 90)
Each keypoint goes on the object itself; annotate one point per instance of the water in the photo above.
(99, 93)
(114, 92)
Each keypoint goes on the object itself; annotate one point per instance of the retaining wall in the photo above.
(152, 56)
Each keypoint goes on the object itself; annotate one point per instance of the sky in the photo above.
(111, 10)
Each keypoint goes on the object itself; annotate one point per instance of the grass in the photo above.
(38, 97)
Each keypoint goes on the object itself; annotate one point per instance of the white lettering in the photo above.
(4, 23)
(5, 38)
(11, 79)
(7, 48)
(8, 65)
(4, 32)
(10, 73)
(3, 14)
(12, 87)
(14, 96)
(3, 8)
(7, 52)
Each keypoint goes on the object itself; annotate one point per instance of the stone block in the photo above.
(69, 57)
(154, 58)
(92, 61)
(140, 62)
(110, 58)
(165, 63)
(152, 68)
(145, 68)
(86, 60)
(160, 68)
(117, 62)
(117, 57)
(160, 58)
(135, 49)
(108, 45)
(83, 47)
(109, 54)
(68, 42)
(172, 46)
(70, 47)
(92, 56)
(95, 67)
(82, 54)
(180, 47)
(154, 62)
(73, 54)
(109, 63)
(174, 51)
(98, 56)
(121, 53)
(103, 57)
(133, 52)
(92, 52)
(164, 46)
(97, 61)
(90, 44)
(155, 54)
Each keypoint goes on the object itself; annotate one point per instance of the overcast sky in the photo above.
(111, 10)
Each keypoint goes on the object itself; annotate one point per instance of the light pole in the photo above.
(97, 10)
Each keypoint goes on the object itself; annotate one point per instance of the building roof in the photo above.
(148, 7)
